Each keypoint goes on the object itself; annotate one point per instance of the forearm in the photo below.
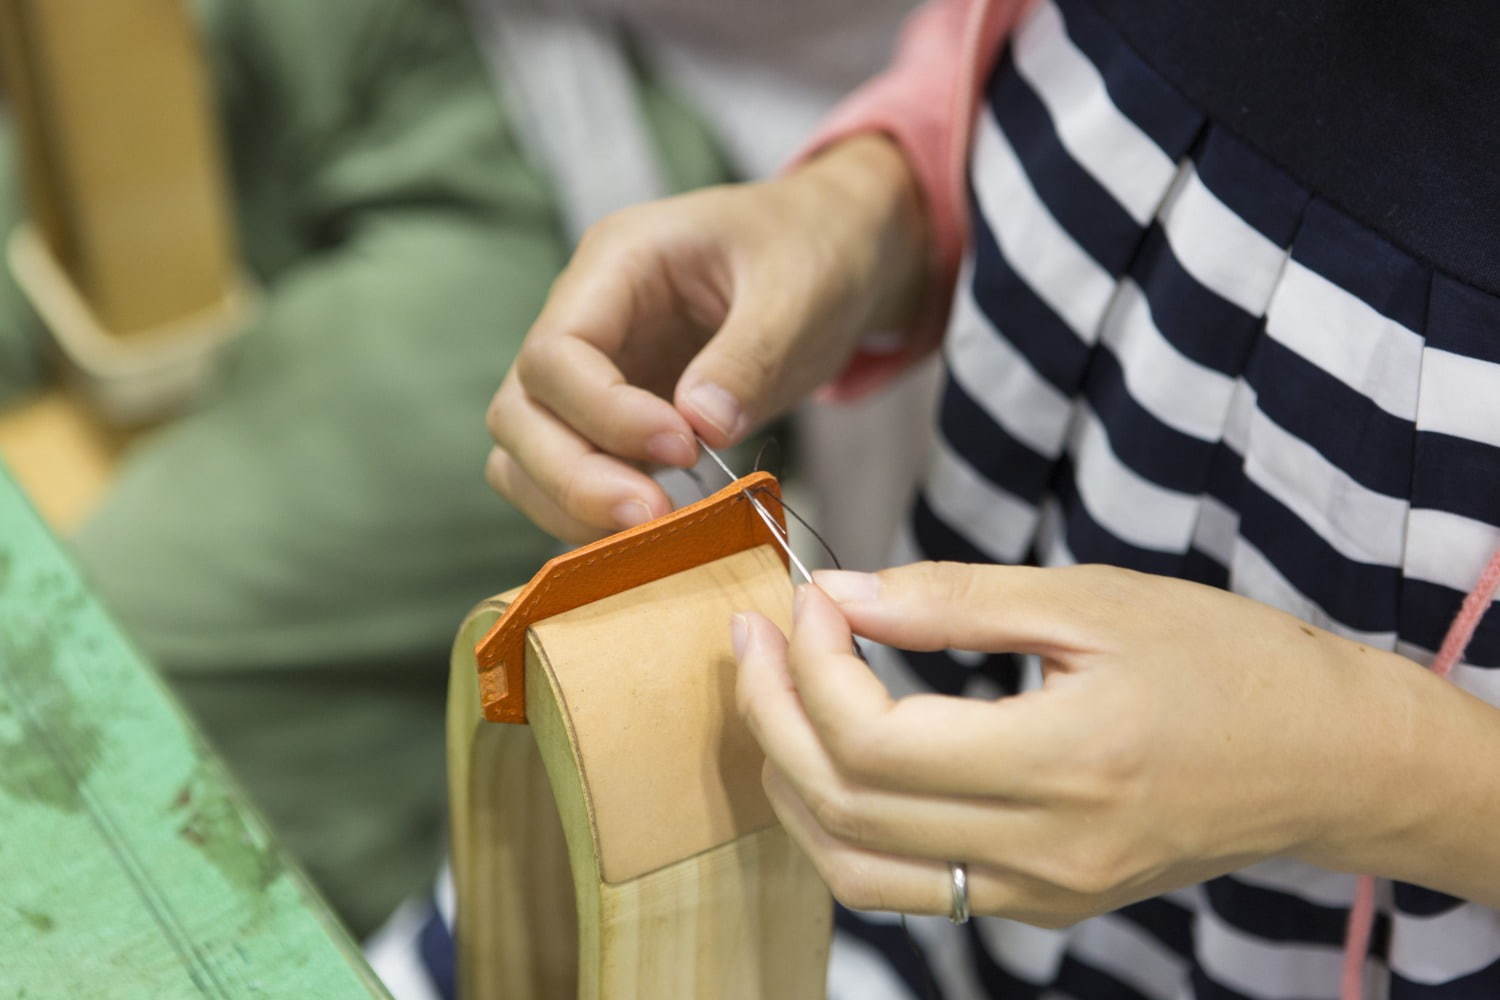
(1425, 805)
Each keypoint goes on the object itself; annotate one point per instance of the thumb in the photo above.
(945, 605)
(761, 361)
(727, 389)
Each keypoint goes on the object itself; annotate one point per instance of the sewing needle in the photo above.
(777, 531)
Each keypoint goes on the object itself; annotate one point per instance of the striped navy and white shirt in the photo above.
(1169, 354)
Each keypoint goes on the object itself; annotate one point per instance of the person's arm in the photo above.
(1181, 732)
(736, 303)
(916, 103)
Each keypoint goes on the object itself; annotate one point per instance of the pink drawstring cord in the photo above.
(1362, 913)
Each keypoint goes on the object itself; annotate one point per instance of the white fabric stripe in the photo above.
(1123, 502)
(1266, 969)
(857, 971)
(1444, 946)
(1342, 335)
(983, 688)
(948, 953)
(1223, 252)
(445, 896)
(1296, 878)
(1051, 541)
(1175, 389)
(1217, 530)
(1412, 651)
(1000, 524)
(1039, 250)
(1000, 379)
(1122, 158)
(1481, 682)
(1031, 672)
(1252, 575)
(1121, 949)
(1448, 549)
(1237, 420)
(1458, 396)
(970, 658)
(904, 548)
(395, 956)
(1030, 953)
(1358, 522)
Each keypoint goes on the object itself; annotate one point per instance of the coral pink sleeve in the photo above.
(924, 101)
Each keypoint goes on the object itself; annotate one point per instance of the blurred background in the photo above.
(265, 261)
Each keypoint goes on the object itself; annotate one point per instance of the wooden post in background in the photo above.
(129, 254)
(125, 178)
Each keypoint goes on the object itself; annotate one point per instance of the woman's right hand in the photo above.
(705, 314)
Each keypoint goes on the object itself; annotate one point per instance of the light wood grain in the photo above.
(124, 173)
(516, 919)
(648, 769)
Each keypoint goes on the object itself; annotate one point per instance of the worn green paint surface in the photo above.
(129, 866)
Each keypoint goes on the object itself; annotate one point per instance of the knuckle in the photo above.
(939, 585)
(1110, 763)
(838, 814)
(496, 420)
(495, 473)
(606, 230)
(572, 492)
(1091, 870)
(855, 750)
(1059, 918)
(537, 357)
(754, 363)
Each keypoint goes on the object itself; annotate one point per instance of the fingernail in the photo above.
(630, 513)
(670, 448)
(846, 587)
(799, 598)
(739, 634)
(717, 406)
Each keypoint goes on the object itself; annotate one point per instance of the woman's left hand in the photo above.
(1181, 732)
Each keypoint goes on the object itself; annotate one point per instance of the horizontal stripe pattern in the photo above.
(1166, 354)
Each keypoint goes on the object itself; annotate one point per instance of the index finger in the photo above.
(926, 744)
(584, 388)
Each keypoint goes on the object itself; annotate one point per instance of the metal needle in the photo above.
(777, 531)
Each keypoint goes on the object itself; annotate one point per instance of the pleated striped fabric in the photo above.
(1167, 354)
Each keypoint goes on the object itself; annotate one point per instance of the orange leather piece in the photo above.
(712, 528)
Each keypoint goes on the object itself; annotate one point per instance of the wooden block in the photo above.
(682, 884)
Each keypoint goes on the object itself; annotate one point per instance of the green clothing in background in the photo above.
(297, 553)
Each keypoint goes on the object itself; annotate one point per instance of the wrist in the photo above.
(1414, 804)
(868, 194)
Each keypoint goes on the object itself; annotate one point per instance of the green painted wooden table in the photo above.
(130, 867)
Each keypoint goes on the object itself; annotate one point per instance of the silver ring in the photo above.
(960, 875)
